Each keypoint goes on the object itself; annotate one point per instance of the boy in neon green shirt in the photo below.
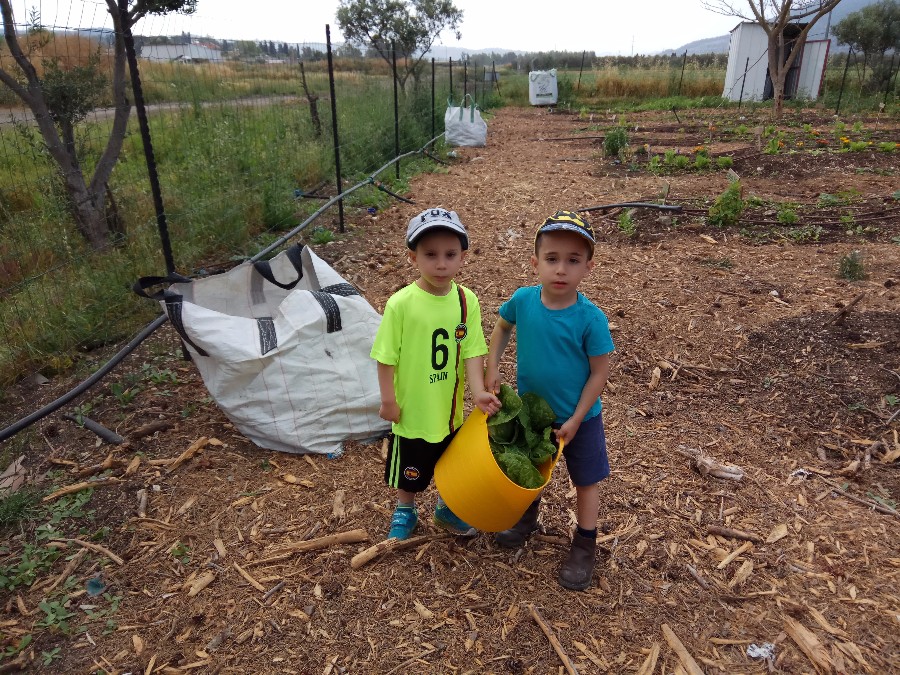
(429, 343)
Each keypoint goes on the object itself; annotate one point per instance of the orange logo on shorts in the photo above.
(411, 473)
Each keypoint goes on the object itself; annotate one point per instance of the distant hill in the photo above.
(719, 44)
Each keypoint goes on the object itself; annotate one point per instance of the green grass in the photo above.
(228, 176)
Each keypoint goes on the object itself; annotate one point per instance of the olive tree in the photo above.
(60, 96)
(874, 31)
(773, 16)
(412, 27)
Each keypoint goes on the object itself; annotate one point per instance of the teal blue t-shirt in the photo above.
(553, 347)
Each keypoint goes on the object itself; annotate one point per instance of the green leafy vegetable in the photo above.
(505, 432)
(540, 414)
(519, 436)
(511, 405)
(520, 470)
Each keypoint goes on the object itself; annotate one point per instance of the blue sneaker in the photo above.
(447, 520)
(403, 522)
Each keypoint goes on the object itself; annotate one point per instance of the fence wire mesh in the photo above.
(242, 136)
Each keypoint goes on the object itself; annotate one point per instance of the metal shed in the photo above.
(747, 75)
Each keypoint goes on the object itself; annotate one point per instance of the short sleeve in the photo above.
(508, 308)
(386, 348)
(474, 344)
(598, 340)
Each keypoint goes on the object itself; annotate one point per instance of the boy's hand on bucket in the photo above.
(487, 403)
(568, 430)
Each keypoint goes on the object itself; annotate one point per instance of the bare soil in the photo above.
(728, 342)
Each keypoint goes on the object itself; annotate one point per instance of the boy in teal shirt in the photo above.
(563, 345)
(429, 343)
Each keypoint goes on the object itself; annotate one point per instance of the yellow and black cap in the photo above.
(567, 221)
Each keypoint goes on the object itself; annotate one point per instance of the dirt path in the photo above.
(725, 344)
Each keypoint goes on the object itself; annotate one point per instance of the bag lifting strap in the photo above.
(463, 313)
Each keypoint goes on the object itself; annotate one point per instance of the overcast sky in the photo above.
(635, 26)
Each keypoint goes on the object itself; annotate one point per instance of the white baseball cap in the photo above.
(435, 218)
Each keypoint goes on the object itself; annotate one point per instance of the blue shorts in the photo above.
(585, 455)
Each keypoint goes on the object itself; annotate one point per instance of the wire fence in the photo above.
(245, 146)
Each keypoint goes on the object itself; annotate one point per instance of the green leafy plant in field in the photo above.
(48, 657)
(669, 157)
(626, 223)
(56, 615)
(24, 570)
(741, 130)
(615, 141)
(17, 648)
(725, 162)
(805, 233)
(181, 552)
(787, 214)
(728, 206)
(826, 200)
(887, 146)
(123, 393)
(857, 127)
(655, 164)
(851, 267)
(682, 161)
(702, 162)
(321, 235)
(157, 376)
(859, 146)
(775, 144)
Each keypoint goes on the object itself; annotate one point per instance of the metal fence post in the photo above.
(683, 64)
(451, 79)
(334, 128)
(743, 82)
(843, 80)
(149, 156)
(465, 79)
(396, 109)
(432, 98)
(580, 69)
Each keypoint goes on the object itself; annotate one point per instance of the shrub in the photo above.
(725, 162)
(615, 141)
(682, 161)
(626, 223)
(851, 267)
(702, 162)
(787, 215)
(728, 207)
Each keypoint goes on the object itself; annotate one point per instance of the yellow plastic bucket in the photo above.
(475, 487)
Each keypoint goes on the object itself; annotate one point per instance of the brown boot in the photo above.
(518, 534)
(575, 574)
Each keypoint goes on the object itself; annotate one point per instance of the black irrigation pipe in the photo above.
(632, 205)
(13, 429)
(150, 328)
(381, 186)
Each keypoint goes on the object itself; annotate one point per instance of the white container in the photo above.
(542, 89)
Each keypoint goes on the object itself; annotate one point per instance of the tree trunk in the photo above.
(778, 85)
(91, 220)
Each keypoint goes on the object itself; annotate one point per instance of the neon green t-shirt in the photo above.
(419, 335)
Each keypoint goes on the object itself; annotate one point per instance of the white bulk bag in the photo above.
(283, 347)
(542, 88)
(465, 126)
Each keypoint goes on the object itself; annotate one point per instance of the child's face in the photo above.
(561, 263)
(438, 257)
